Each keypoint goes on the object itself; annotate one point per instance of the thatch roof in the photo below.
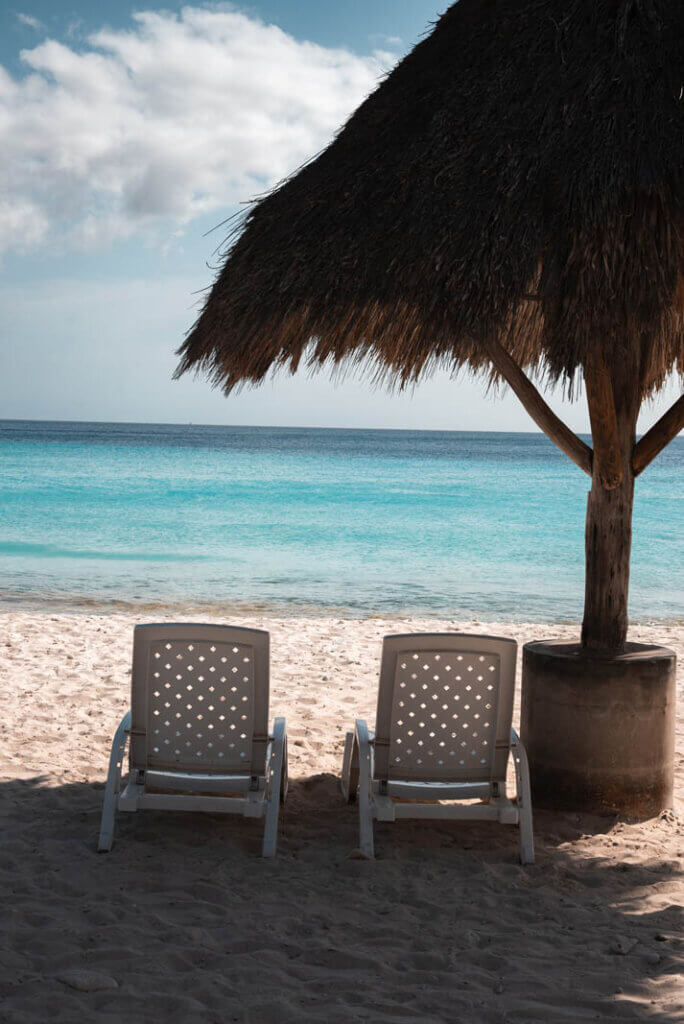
(520, 174)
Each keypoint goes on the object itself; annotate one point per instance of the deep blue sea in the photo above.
(352, 521)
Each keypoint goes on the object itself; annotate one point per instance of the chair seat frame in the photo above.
(255, 792)
(378, 797)
(194, 791)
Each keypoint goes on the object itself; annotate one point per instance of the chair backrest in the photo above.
(199, 698)
(445, 704)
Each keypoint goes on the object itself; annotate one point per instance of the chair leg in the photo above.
(522, 781)
(349, 780)
(363, 747)
(284, 778)
(276, 771)
(113, 785)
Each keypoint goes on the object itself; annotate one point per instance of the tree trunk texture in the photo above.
(613, 406)
(608, 540)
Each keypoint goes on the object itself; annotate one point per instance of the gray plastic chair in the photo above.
(198, 728)
(443, 733)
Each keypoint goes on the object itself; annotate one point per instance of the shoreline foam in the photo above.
(38, 604)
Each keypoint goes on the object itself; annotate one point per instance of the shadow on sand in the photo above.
(192, 926)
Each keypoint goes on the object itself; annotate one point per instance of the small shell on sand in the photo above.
(622, 945)
(87, 981)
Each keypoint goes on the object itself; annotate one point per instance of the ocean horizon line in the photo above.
(273, 426)
(585, 435)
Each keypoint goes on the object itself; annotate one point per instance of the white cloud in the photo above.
(22, 221)
(392, 41)
(29, 21)
(182, 115)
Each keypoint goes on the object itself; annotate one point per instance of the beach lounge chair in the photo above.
(198, 728)
(443, 733)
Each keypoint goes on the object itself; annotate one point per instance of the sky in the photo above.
(127, 135)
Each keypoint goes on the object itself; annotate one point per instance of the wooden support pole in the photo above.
(541, 413)
(609, 512)
(604, 429)
(660, 435)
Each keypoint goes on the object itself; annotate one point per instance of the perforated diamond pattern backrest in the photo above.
(443, 709)
(200, 707)
(444, 713)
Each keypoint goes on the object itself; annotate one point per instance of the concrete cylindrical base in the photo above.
(599, 731)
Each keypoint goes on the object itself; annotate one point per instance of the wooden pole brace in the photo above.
(660, 435)
(534, 404)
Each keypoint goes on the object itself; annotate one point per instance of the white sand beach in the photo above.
(184, 923)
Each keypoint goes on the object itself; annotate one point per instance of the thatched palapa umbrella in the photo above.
(509, 200)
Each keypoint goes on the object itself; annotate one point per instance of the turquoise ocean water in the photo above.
(357, 521)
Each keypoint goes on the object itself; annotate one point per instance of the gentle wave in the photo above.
(22, 549)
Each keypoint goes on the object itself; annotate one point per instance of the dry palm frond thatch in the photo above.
(519, 175)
